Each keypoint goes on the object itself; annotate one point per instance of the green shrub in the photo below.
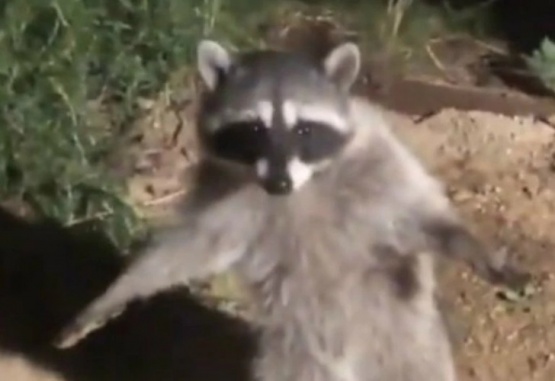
(70, 74)
(542, 62)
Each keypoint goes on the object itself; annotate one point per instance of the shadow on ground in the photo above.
(47, 274)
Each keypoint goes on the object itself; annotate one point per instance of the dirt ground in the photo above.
(495, 150)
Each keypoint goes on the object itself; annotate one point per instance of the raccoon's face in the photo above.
(278, 113)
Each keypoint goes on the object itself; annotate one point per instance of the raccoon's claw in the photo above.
(73, 334)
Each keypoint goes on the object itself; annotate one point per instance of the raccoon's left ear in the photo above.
(213, 61)
(342, 65)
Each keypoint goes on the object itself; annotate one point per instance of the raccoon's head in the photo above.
(281, 114)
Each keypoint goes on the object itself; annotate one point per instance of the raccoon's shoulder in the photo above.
(378, 162)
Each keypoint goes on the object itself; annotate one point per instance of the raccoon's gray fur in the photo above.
(336, 251)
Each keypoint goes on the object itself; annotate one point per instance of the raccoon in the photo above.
(304, 191)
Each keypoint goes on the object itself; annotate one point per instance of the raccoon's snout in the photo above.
(280, 179)
(278, 185)
(274, 177)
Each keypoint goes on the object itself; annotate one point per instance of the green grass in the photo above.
(71, 72)
(542, 63)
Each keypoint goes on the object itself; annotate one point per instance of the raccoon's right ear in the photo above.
(213, 61)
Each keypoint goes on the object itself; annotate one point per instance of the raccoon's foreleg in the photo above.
(176, 256)
(452, 239)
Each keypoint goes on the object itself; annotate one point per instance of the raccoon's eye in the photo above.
(256, 126)
(318, 141)
(303, 129)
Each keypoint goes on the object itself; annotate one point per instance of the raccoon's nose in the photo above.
(278, 185)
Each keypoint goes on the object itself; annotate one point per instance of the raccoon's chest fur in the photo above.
(324, 293)
(321, 289)
(312, 258)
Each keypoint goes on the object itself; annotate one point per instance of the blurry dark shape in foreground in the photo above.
(48, 274)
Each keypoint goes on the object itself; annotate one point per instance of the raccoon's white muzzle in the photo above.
(280, 181)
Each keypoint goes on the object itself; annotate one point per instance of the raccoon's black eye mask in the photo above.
(244, 141)
(317, 141)
(248, 141)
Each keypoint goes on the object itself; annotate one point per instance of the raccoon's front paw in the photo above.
(504, 273)
(511, 277)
